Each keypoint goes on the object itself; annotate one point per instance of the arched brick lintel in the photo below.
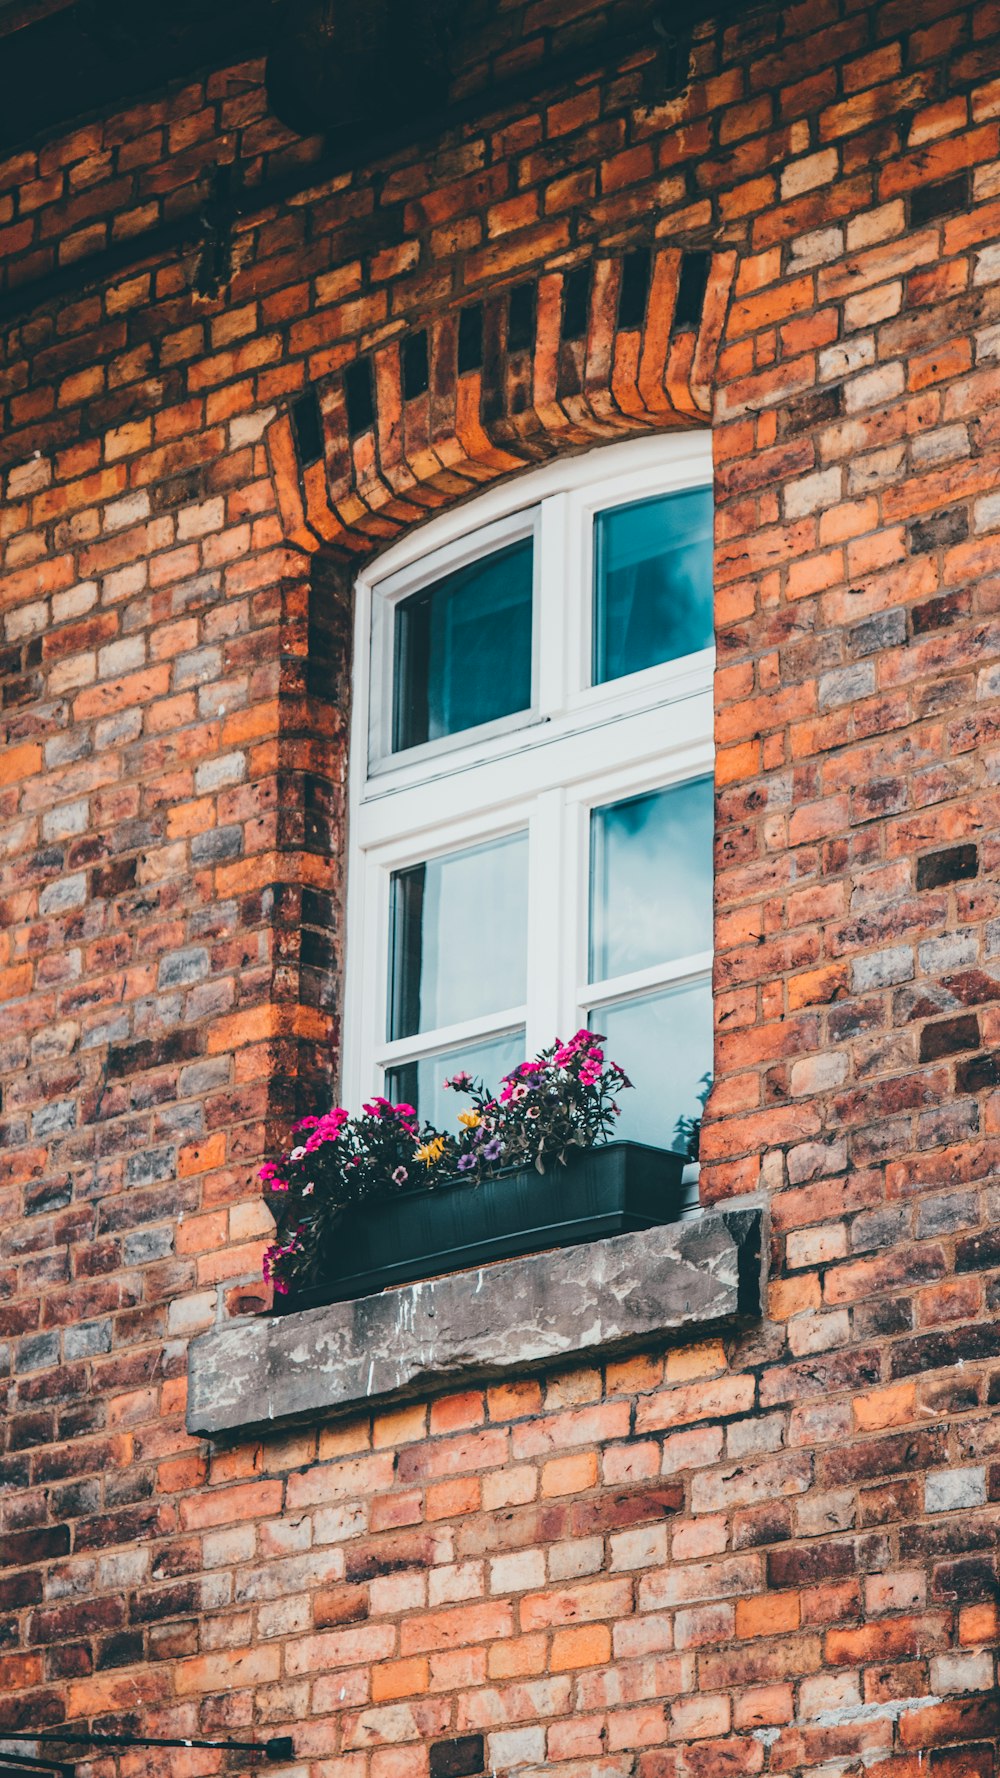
(475, 394)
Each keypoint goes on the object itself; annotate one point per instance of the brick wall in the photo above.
(776, 1556)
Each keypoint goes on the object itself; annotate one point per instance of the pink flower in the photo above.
(518, 1093)
(267, 1171)
(297, 1154)
(400, 1176)
(461, 1079)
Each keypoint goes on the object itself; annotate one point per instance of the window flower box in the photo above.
(615, 1189)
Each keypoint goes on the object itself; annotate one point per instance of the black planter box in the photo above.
(612, 1190)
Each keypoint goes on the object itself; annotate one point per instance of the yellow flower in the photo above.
(430, 1152)
(471, 1119)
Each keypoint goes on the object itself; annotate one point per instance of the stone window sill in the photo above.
(611, 1296)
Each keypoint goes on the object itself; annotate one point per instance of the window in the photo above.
(531, 786)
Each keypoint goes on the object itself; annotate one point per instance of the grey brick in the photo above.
(952, 951)
(146, 1245)
(886, 630)
(60, 1114)
(150, 1165)
(65, 893)
(179, 968)
(845, 684)
(951, 1490)
(196, 668)
(205, 1077)
(38, 1352)
(217, 845)
(111, 1031)
(881, 969)
(879, 1228)
(215, 774)
(940, 1216)
(86, 1339)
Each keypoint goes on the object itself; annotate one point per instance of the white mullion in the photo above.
(545, 900)
(576, 925)
(550, 605)
(660, 746)
(640, 982)
(446, 1037)
(365, 1011)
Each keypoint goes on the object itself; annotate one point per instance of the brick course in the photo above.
(775, 1555)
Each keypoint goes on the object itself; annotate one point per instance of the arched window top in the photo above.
(531, 784)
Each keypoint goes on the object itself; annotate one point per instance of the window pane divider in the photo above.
(641, 981)
(444, 1037)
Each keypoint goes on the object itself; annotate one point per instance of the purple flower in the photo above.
(466, 1161)
(491, 1152)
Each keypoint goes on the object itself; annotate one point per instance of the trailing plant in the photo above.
(563, 1099)
(687, 1130)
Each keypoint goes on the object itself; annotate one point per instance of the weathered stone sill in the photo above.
(663, 1284)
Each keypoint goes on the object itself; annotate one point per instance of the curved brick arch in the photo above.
(624, 344)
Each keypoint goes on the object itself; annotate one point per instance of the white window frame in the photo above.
(579, 746)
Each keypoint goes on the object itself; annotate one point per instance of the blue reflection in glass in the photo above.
(651, 879)
(462, 649)
(664, 1043)
(458, 936)
(421, 1082)
(652, 582)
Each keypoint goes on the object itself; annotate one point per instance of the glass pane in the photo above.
(652, 582)
(664, 1044)
(462, 650)
(458, 936)
(651, 879)
(421, 1082)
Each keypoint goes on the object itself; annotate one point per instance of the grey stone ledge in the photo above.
(616, 1295)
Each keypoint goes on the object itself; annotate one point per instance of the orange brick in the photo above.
(20, 762)
(773, 1614)
(878, 1408)
(569, 1475)
(445, 1500)
(399, 1679)
(201, 1157)
(582, 1645)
